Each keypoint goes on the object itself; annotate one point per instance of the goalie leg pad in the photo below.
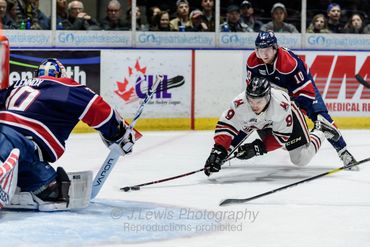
(80, 190)
(8, 177)
(79, 196)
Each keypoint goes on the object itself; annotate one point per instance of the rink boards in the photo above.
(212, 79)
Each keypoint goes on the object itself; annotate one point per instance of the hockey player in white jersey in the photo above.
(277, 120)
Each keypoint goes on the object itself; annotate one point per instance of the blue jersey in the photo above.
(47, 109)
(289, 72)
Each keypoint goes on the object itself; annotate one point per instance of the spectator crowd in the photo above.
(324, 16)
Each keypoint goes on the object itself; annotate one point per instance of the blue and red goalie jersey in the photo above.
(48, 108)
(289, 72)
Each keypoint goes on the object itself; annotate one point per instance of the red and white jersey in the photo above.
(240, 117)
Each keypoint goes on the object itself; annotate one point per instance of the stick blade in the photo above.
(227, 202)
(125, 189)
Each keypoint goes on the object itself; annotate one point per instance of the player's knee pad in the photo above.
(298, 161)
(298, 158)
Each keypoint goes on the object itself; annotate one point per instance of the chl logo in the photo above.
(136, 85)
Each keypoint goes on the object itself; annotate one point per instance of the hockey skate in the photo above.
(348, 159)
(57, 190)
(330, 132)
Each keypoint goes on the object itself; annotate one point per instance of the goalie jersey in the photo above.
(239, 117)
(47, 109)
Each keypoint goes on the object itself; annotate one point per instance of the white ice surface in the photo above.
(330, 211)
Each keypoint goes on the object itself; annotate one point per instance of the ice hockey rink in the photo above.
(330, 211)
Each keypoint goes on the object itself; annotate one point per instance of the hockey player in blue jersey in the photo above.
(37, 116)
(287, 71)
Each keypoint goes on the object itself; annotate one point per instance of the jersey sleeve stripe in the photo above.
(105, 120)
(88, 107)
(36, 127)
(307, 84)
(90, 115)
(223, 125)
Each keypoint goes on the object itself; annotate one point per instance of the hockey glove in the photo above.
(125, 139)
(127, 142)
(249, 150)
(215, 160)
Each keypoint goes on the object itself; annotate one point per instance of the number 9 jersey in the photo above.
(276, 116)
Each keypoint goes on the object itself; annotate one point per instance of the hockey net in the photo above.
(4, 62)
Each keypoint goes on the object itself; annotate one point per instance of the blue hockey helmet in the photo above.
(51, 67)
(259, 87)
(266, 39)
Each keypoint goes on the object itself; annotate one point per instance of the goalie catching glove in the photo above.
(215, 160)
(124, 139)
(249, 150)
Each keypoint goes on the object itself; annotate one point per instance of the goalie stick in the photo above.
(361, 80)
(243, 200)
(115, 152)
(243, 136)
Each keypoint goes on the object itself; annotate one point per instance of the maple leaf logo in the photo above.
(126, 88)
(123, 92)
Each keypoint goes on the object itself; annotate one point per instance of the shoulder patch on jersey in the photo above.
(238, 102)
(253, 61)
(285, 62)
(284, 105)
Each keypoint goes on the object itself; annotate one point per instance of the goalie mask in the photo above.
(258, 94)
(51, 67)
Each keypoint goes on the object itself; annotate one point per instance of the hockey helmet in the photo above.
(266, 39)
(51, 67)
(259, 87)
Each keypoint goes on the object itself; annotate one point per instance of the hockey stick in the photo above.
(243, 200)
(230, 156)
(361, 80)
(174, 82)
(115, 151)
